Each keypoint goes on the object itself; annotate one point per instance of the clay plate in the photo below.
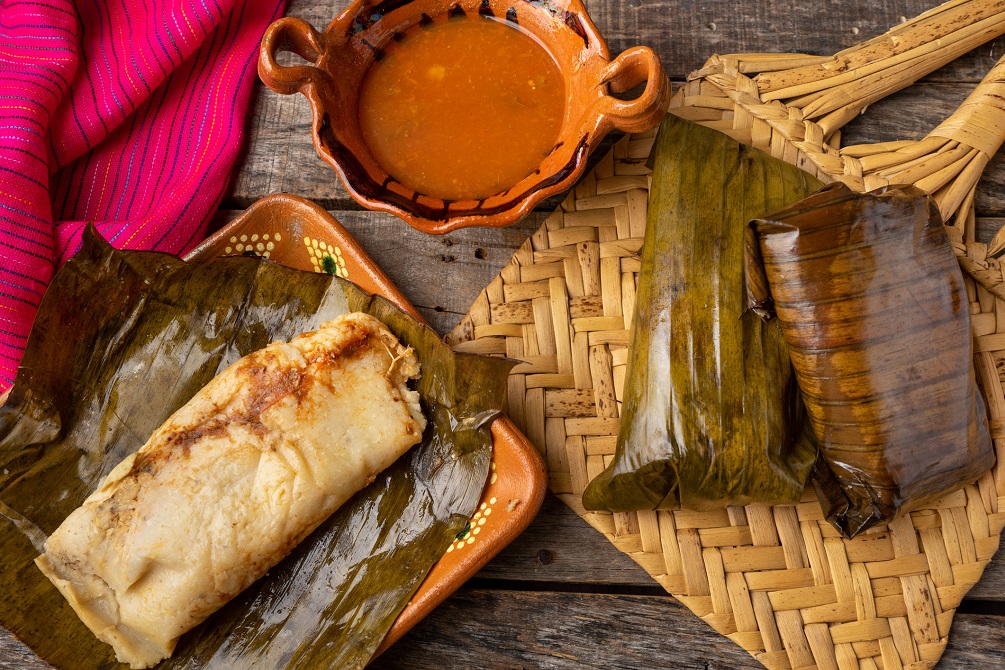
(298, 233)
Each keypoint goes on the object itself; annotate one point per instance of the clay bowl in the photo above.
(340, 57)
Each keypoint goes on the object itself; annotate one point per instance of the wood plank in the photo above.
(442, 275)
(563, 631)
(558, 546)
(482, 628)
(685, 34)
(500, 629)
(503, 630)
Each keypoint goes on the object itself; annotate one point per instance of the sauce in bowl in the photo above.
(462, 108)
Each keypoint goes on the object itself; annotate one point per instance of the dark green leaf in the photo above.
(121, 341)
(711, 412)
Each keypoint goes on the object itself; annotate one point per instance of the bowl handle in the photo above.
(296, 36)
(632, 67)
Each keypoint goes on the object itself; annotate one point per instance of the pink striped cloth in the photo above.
(125, 113)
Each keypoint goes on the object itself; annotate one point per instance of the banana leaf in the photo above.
(122, 339)
(872, 304)
(711, 414)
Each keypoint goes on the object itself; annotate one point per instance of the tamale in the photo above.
(872, 304)
(121, 341)
(711, 413)
(232, 481)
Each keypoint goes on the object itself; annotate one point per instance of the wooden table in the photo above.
(561, 596)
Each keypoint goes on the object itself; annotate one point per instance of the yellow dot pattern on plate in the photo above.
(255, 245)
(326, 257)
(474, 526)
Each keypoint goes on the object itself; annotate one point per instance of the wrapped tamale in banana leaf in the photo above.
(711, 413)
(122, 340)
(873, 306)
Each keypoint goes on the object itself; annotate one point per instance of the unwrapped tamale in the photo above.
(122, 341)
(232, 481)
(874, 309)
(711, 413)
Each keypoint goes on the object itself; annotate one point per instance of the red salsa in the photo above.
(462, 108)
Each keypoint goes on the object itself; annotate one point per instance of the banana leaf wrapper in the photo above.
(122, 340)
(873, 306)
(711, 413)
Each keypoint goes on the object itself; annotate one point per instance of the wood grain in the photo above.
(686, 32)
(496, 630)
(559, 547)
(538, 627)
(492, 630)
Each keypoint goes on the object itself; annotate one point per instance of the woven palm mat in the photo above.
(779, 581)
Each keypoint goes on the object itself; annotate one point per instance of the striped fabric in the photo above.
(125, 113)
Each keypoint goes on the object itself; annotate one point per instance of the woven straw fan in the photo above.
(778, 581)
(793, 106)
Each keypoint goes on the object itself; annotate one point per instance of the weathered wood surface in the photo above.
(504, 630)
(558, 592)
(494, 629)
(686, 32)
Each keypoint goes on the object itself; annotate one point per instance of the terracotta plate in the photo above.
(300, 234)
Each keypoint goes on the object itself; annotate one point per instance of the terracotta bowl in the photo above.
(340, 57)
